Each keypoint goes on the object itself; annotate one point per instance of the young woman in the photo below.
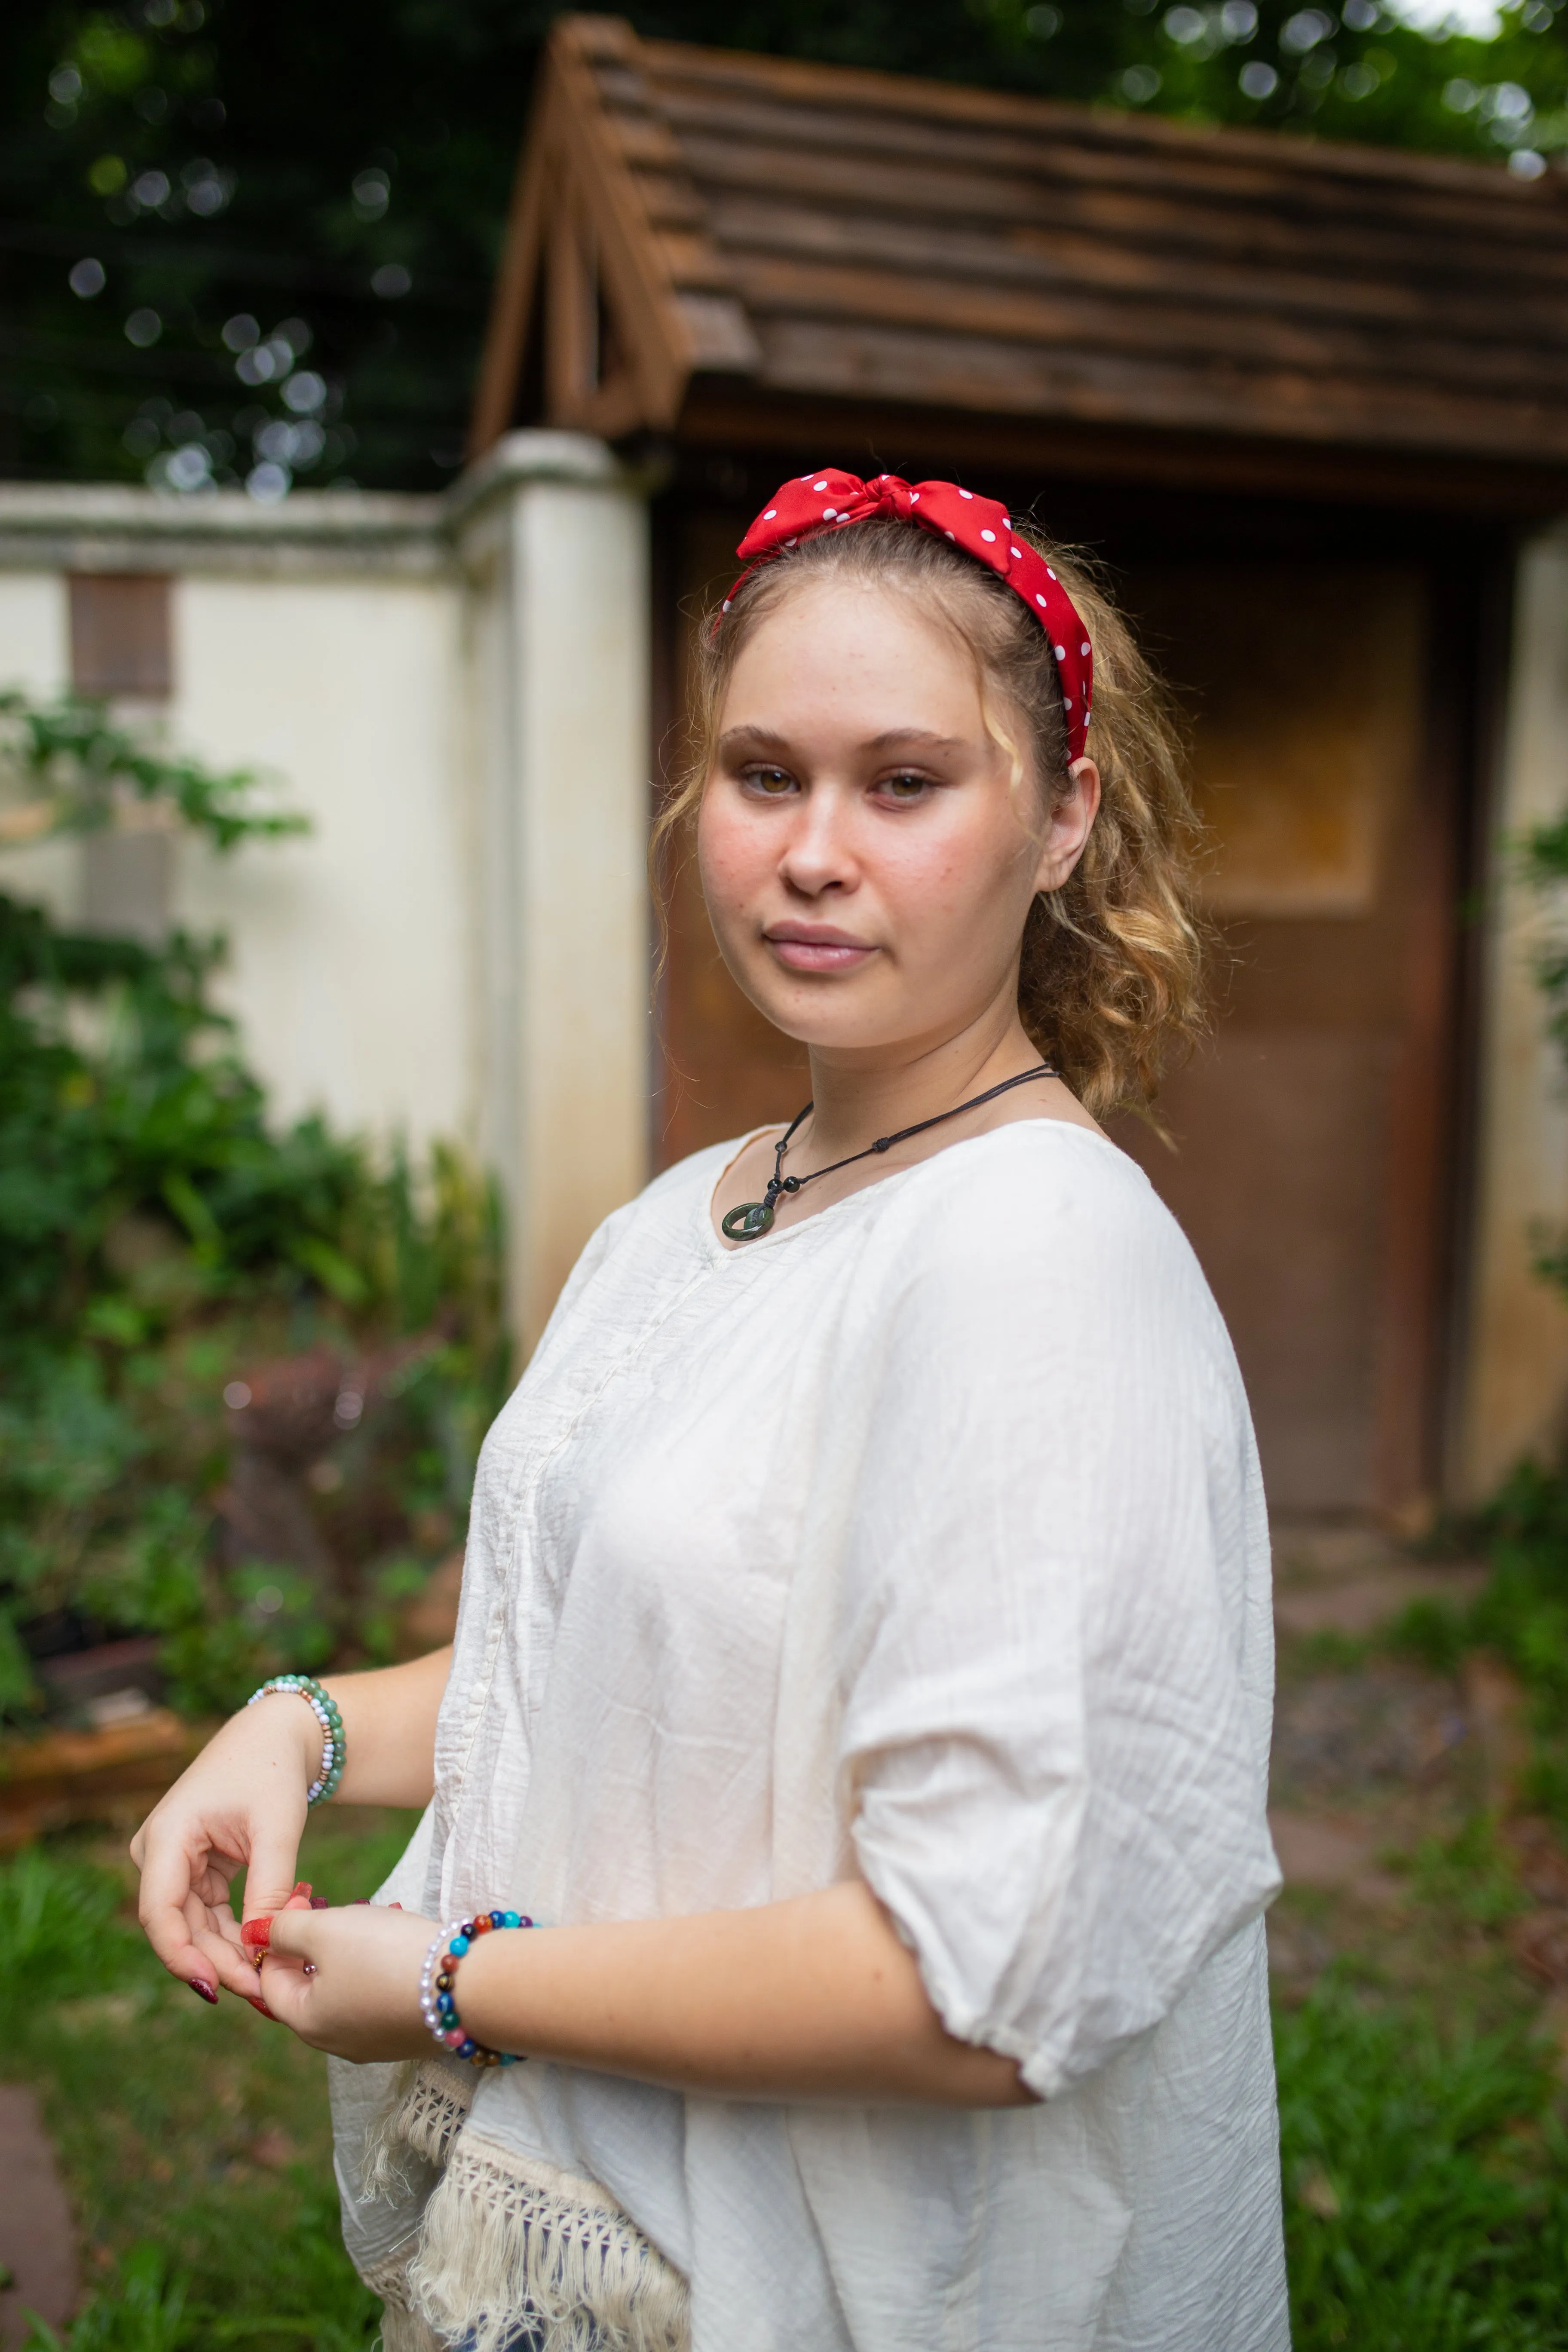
(864, 1664)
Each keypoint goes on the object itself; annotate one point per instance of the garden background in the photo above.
(245, 1366)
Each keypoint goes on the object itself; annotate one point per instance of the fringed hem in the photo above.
(403, 2329)
(389, 2277)
(426, 2109)
(509, 2241)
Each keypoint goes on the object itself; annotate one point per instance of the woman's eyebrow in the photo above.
(754, 739)
(893, 739)
(898, 738)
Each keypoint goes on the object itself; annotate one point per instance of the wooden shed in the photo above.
(1305, 403)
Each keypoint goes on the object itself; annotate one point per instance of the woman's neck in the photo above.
(854, 1098)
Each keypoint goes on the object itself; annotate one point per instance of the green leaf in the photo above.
(340, 1280)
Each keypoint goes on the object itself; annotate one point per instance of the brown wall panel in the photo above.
(120, 641)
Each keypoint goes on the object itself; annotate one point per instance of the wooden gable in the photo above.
(726, 248)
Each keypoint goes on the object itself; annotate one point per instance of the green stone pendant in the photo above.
(744, 1223)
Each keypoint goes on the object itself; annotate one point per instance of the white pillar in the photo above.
(553, 534)
(1516, 1383)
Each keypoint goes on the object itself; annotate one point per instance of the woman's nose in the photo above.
(818, 854)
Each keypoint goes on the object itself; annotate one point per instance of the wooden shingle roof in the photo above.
(722, 247)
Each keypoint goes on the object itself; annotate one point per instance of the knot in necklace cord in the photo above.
(754, 1218)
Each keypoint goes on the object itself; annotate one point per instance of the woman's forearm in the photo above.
(389, 1730)
(815, 1999)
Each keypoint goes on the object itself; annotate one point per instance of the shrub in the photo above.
(159, 1236)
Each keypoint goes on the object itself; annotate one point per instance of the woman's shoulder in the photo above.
(1006, 1181)
(1041, 1205)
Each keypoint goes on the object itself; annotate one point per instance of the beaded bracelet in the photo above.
(438, 1980)
(324, 1707)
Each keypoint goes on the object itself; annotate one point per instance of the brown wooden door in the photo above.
(1308, 1167)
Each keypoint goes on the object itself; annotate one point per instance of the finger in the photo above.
(269, 1877)
(225, 1925)
(214, 1882)
(255, 1934)
(295, 1934)
(287, 1991)
(166, 1877)
(232, 1968)
(230, 1965)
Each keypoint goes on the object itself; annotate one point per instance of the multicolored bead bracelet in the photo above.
(323, 1706)
(437, 1985)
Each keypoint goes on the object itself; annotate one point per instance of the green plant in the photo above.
(203, 2187)
(1470, 1876)
(144, 2310)
(1426, 2194)
(147, 2305)
(1519, 1615)
(1522, 1614)
(76, 772)
(60, 1923)
(159, 1236)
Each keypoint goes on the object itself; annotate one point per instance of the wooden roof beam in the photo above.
(607, 216)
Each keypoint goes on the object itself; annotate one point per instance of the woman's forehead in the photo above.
(861, 646)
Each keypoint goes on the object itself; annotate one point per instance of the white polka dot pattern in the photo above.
(980, 526)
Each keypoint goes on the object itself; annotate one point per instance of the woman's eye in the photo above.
(772, 783)
(904, 788)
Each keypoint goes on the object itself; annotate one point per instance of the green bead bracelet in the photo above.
(324, 1707)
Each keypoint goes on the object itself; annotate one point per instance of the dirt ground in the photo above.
(1396, 1797)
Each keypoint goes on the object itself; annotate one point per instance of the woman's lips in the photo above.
(802, 950)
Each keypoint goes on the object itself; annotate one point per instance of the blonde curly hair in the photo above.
(1110, 980)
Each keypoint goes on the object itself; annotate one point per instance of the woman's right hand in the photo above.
(240, 1806)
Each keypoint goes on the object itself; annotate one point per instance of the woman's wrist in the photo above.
(489, 1992)
(324, 1707)
(287, 1725)
(447, 1958)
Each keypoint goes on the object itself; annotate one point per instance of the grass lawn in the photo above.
(1422, 2116)
(1424, 2127)
(195, 2141)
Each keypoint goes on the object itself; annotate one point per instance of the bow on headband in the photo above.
(829, 498)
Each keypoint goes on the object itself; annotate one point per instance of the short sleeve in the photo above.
(1050, 1661)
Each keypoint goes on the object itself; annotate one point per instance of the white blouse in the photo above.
(924, 1541)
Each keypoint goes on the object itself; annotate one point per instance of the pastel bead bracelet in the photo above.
(324, 1707)
(439, 1981)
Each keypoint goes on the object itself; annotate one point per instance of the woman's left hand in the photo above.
(362, 2000)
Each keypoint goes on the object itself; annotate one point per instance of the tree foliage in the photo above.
(256, 243)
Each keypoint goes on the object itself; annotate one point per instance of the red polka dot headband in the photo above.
(829, 500)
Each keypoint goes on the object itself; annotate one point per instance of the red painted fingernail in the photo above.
(320, 1902)
(256, 1934)
(200, 1984)
(260, 2007)
(302, 1887)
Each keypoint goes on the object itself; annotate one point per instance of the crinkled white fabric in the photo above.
(924, 1540)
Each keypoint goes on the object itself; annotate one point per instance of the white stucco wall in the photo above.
(1515, 1391)
(561, 668)
(455, 692)
(35, 654)
(352, 969)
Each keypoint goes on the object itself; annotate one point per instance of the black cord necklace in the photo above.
(754, 1217)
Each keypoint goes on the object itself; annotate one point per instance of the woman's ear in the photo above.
(1069, 827)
